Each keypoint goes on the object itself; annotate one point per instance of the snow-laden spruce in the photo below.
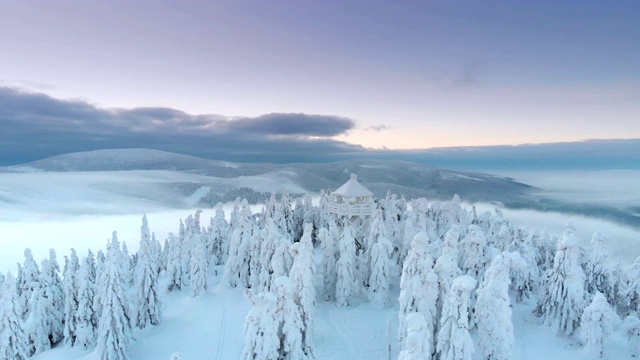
(454, 341)
(261, 340)
(86, 319)
(631, 328)
(599, 270)
(524, 279)
(562, 298)
(56, 293)
(303, 288)
(596, 324)
(13, 340)
(416, 344)
(329, 258)
(493, 308)
(288, 315)
(218, 231)
(147, 307)
(345, 268)
(70, 283)
(37, 323)
(380, 273)
(199, 266)
(418, 288)
(28, 280)
(446, 267)
(114, 325)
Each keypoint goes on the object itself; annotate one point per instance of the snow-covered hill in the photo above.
(123, 159)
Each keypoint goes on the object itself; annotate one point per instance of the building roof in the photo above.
(353, 188)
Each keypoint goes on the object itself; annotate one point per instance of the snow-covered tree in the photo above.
(86, 319)
(454, 342)
(199, 268)
(70, 284)
(290, 322)
(281, 261)
(270, 236)
(56, 293)
(13, 340)
(380, 273)
(345, 268)
(562, 299)
(261, 340)
(418, 287)
(114, 326)
(631, 328)
(303, 288)
(416, 345)
(37, 324)
(329, 258)
(493, 308)
(28, 280)
(474, 258)
(255, 250)
(524, 279)
(599, 270)
(597, 323)
(632, 290)
(219, 233)
(446, 267)
(174, 264)
(147, 307)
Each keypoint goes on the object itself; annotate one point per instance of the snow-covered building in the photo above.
(352, 200)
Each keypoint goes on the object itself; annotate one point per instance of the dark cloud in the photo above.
(34, 126)
(293, 124)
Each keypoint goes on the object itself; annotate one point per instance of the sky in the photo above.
(79, 75)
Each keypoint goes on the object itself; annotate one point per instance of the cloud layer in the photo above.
(36, 126)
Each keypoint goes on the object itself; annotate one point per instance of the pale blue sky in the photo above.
(434, 73)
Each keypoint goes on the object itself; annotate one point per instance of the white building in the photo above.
(352, 200)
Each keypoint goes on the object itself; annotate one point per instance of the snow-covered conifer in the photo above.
(524, 278)
(261, 339)
(303, 288)
(416, 345)
(418, 287)
(56, 292)
(174, 264)
(37, 324)
(474, 258)
(28, 279)
(256, 243)
(446, 267)
(597, 323)
(599, 270)
(631, 328)
(281, 261)
(86, 319)
(493, 308)
(13, 340)
(345, 268)
(147, 307)
(290, 320)
(70, 284)
(199, 268)
(562, 299)
(219, 233)
(329, 257)
(454, 342)
(380, 273)
(114, 326)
